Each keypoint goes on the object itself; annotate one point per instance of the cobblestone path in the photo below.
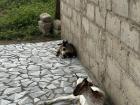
(31, 72)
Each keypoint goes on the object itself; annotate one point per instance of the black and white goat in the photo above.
(89, 94)
(85, 92)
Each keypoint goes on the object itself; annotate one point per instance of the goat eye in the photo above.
(64, 49)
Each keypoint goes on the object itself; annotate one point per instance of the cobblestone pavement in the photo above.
(31, 72)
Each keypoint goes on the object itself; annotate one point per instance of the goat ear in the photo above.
(85, 80)
(65, 41)
(90, 83)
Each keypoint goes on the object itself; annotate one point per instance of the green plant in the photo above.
(21, 17)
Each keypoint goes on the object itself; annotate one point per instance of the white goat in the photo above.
(85, 92)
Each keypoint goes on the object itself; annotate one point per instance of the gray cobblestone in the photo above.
(31, 73)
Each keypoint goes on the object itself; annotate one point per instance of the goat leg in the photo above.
(62, 98)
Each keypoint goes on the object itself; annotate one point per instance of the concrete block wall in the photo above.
(106, 34)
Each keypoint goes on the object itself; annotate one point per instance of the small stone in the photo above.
(12, 90)
(64, 84)
(3, 75)
(26, 82)
(37, 94)
(35, 59)
(42, 84)
(55, 82)
(58, 91)
(45, 71)
(34, 68)
(45, 17)
(24, 75)
(12, 104)
(4, 102)
(68, 89)
(25, 100)
(9, 65)
(51, 86)
(43, 97)
(35, 52)
(58, 72)
(19, 95)
(37, 73)
(36, 100)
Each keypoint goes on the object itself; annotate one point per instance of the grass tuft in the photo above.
(19, 18)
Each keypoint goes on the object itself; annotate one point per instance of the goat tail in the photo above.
(59, 99)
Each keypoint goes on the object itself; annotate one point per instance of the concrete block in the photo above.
(113, 24)
(108, 4)
(94, 67)
(85, 25)
(69, 12)
(130, 89)
(91, 48)
(76, 18)
(93, 32)
(83, 39)
(72, 3)
(130, 36)
(99, 17)
(77, 5)
(107, 84)
(114, 71)
(135, 10)
(109, 44)
(120, 53)
(120, 7)
(102, 4)
(90, 11)
(117, 96)
(95, 1)
(83, 6)
(85, 59)
(100, 47)
(134, 67)
(72, 27)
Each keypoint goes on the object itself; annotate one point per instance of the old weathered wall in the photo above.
(106, 34)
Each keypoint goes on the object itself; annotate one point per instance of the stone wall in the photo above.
(106, 34)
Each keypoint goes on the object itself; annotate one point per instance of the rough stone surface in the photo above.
(45, 17)
(32, 81)
(106, 34)
(57, 24)
(44, 27)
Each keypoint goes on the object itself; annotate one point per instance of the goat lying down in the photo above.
(85, 92)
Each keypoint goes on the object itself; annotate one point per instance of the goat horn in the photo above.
(76, 76)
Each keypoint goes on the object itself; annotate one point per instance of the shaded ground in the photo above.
(31, 72)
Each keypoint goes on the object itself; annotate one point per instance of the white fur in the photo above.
(63, 52)
(80, 80)
(87, 99)
(97, 89)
